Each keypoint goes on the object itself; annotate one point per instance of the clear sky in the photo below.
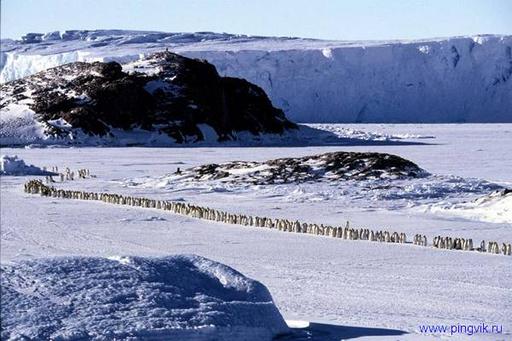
(328, 19)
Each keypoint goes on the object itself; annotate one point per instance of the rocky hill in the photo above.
(335, 166)
(165, 95)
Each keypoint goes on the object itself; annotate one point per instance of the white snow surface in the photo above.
(132, 298)
(339, 289)
(458, 79)
(493, 208)
(12, 165)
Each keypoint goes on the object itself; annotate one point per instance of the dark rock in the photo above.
(32, 38)
(502, 193)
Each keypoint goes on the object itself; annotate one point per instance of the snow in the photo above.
(490, 208)
(457, 79)
(12, 165)
(60, 123)
(209, 134)
(342, 131)
(174, 297)
(327, 53)
(339, 288)
(25, 65)
(19, 126)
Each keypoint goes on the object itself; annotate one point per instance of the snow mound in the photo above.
(12, 165)
(493, 208)
(182, 297)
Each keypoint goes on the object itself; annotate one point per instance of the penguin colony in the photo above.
(285, 225)
(68, 174)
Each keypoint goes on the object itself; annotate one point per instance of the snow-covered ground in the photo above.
(457, 79)
(347, 288)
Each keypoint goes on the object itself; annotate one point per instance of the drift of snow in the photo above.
(458, 79)
(176, 297)
(494, 208)
(12, 165)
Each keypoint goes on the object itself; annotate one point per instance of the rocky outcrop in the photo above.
(164, 93)
(329, 167)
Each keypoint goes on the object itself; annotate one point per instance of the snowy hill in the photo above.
(177, 297)
(461, 79)
(164, 98)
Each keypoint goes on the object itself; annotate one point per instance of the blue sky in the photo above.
(328, 19)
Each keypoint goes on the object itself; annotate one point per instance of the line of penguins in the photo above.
(67, 174)
(467, 245)
(206, 213)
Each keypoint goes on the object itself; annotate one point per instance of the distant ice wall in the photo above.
(464, 79)
(459, 80)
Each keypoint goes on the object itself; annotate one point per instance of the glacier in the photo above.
(459, 79)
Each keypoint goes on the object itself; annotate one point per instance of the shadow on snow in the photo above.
(330, 332)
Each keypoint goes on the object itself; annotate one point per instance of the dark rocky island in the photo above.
(333, 166)
(164, 93)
